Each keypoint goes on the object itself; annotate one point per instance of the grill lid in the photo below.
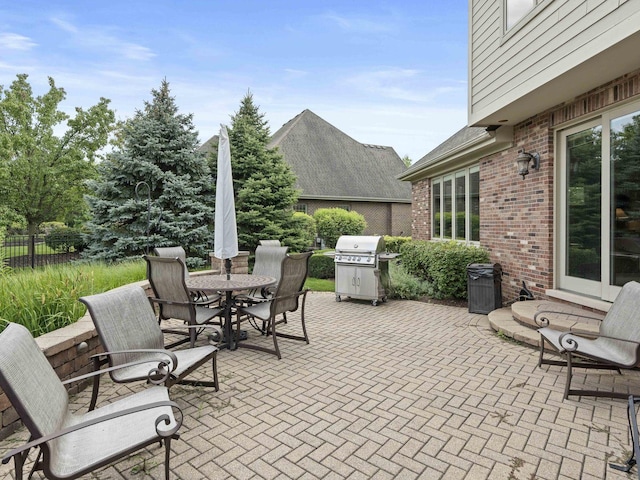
(360, 243)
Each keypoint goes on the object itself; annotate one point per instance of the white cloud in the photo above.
(14, 41)
(100, 39)
(359, 24)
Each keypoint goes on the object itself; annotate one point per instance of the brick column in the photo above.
(239, 264)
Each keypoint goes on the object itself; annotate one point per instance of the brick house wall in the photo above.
(382, 218)
(516, 215)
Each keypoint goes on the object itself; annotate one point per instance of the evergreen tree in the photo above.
(158, 146)
(263, 182)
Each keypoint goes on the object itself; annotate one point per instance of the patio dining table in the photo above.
(217, 283)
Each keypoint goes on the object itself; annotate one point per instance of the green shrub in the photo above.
(443, 265)
(321, 266)
(393, 244)
(63, 239)
(334, 222)
(404, 285)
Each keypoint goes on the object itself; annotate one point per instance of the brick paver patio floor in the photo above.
(402, 390)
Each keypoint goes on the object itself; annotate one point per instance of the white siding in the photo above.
(558, 37)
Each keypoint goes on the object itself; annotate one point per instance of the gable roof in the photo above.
(331, 165)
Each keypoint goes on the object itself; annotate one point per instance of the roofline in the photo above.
(491, 141)
(354, 199)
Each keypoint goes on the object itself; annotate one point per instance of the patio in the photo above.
(402, 390)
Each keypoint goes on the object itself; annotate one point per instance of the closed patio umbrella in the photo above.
(225, 241)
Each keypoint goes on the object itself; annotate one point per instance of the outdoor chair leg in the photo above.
(97, 363)
(633, 429)
(167, 455)
(272, 331)
(567, 387)
(214, 362)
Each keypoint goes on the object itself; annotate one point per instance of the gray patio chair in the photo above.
(73, 444)
(133, 342)
(285, 299)
(268, 262)
(167, 278)
(615, 346)
(173, 252)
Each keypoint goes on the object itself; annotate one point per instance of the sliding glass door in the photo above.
(599, 200)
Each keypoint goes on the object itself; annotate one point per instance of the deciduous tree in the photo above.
(42, 172)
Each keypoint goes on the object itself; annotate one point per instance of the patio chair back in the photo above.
(173, 252)
(167, 278)
(294, 273)
(31, 383)
(269, 261)
(124, 320)
(270, 243)
(623, 321)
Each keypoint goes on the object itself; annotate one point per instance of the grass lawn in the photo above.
(320, 284)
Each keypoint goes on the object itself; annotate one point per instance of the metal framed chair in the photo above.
(614, 347)
(72, 444)
(134, 343)
(167, 278)
(285, 299)
(179, 252)
(268, 262)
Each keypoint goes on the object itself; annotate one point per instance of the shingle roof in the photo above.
(461, 137)
(330, 164)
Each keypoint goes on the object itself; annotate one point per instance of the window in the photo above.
(344, 207)
(456, 206)
(300, 207)
(516, 10)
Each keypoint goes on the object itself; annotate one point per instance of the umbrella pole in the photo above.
(227, 267)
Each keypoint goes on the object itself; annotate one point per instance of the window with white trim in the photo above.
(455, 202)
(300, 207)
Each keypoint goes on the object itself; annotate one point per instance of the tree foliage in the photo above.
(155, 187)
(42, 174)
(263, 182)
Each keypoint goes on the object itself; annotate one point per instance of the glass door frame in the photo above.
(603, 289)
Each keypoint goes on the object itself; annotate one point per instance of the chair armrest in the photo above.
(544, 320)
(128, 411)
(169, 302)
(156, 375)
(569, 340)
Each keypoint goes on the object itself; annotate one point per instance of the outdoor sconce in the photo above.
(523, 161)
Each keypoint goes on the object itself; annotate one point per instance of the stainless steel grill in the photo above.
(362, 271)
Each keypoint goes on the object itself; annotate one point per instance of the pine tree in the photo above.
(158, 146)
(263, 182)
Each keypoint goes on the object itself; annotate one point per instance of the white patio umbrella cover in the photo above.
(225, 242)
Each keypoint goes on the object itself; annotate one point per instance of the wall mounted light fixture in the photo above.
(524, 160)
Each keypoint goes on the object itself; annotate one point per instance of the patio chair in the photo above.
(268, 262)
(72, 444)
(173, 252)
(615, 346)
(133, 342)
(167, 278)
(285, 299)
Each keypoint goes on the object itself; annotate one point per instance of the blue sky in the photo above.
(384, 72)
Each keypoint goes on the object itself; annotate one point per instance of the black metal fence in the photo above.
(23, 251)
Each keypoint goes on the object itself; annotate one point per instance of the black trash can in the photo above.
(484, 287)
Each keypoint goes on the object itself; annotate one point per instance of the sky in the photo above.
(390, 73)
